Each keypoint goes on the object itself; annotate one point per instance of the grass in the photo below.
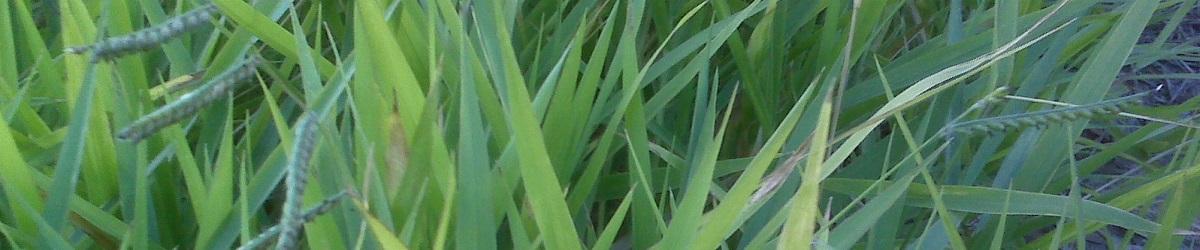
(601, 124)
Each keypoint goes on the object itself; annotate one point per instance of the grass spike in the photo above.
(1044, 117)
(297, 180)
(148, 38)
(189, 104)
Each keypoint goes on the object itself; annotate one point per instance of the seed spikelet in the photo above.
(297, 179)
(148, 38)
(189, 104)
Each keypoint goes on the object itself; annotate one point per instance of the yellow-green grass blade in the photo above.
(29, 31)
(99, 163)
(18, 184)
(685, 224)
(488, 96)
(321, 233)
(542, 187)
(383, 236)
(647, 217)
(385, 83)
(606, 238)
(9, 77)
(722, 220)
(432, 153)
(553, 104)
(582, 106)
(18, 108)
(266, 29)
(193, 180)
(432, 162)
(243, 205)
(50, 237)
(103, 221)
(798, 231)
(219, 199)
(237, 43)
(413, 35)
(647, 229)
(8, 53)
(129, 69)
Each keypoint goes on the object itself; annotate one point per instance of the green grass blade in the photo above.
(991, 201)
(66, 174)
(266, 29)
(722, 219)
(18, 183)
(605, 240)
(798, 231)
(545, 194)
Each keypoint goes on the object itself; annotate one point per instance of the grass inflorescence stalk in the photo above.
(1044, 117)
(297, 179)
(190, 103)
(150, 37)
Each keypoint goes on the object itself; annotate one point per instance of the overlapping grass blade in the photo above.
(991, 201)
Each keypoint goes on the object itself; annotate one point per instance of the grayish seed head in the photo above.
(189, 103)
(150, 37)
(297, 178)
